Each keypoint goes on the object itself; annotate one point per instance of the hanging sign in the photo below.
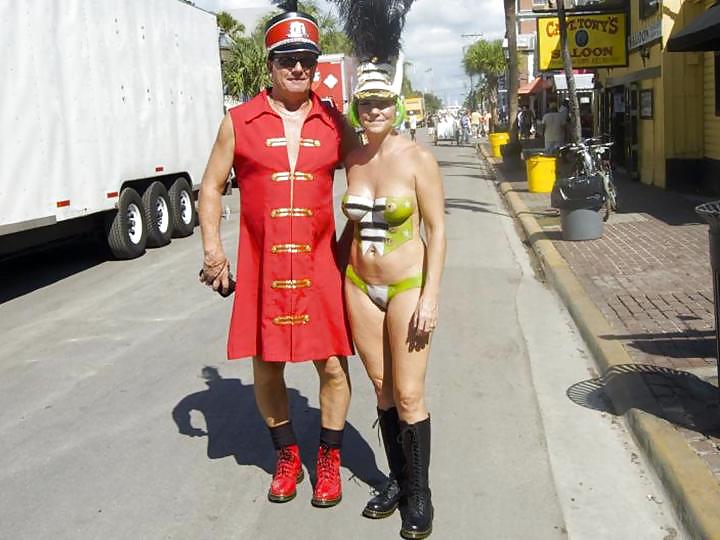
(594, 41)
(646, 35)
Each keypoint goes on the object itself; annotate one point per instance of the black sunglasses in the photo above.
(288, 62)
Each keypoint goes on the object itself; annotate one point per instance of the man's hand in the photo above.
(215, 271)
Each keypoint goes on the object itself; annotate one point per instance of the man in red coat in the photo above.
(284, 145)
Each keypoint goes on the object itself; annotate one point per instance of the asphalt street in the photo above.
(101, 370)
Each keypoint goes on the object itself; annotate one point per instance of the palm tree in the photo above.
(229, 25)
(575, 130)
(486, 59)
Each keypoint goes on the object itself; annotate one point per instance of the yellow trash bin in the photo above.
(496, 141)
(540, 173)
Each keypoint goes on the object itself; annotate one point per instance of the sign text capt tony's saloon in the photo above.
(594, 41)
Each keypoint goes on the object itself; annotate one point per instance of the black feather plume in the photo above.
(374, 27)
(287, 5)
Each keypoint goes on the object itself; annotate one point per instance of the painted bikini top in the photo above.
(382, 223)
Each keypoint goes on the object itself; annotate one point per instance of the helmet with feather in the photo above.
(291, 31)
(374, 28)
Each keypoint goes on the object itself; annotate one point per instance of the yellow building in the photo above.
(661, 109)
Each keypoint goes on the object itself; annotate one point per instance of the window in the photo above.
(649, 7)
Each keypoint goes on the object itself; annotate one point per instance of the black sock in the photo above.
(282, 435)
(332, 438)
(391, 414)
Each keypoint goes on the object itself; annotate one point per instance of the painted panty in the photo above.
(382, 294)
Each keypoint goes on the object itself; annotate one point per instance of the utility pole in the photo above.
(575, 132)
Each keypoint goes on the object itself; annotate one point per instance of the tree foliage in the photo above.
(406, 89)
(229, 25)
(432, 103)
(246, 73)
(487, 60)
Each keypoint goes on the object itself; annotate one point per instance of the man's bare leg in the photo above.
(270, 392)
(334, 391)
(272, 402)
(334, 403)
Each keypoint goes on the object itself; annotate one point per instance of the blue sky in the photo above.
(432, 40)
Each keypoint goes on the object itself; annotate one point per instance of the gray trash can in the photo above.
(579, 199)
(581, 224)
(710, 212)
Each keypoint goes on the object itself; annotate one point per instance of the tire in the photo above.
(158, 215)
(182, 208)
(127, 234)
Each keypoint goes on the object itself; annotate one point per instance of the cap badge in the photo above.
(297, 30)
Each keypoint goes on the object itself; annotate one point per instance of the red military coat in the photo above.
(288, 303)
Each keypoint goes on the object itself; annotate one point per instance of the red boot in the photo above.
(288, 473)
(328, 488)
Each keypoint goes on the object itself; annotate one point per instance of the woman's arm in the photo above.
(431, 203)
(216, 270)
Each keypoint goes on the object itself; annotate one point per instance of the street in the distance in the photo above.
(112, 426)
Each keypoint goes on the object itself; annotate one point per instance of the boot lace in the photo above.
(325, 464)
(417, 492)
(284, 463)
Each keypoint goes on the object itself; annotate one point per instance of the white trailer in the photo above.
(108, 112)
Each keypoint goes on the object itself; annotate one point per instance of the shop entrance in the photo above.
(630, 121)
(615, 127)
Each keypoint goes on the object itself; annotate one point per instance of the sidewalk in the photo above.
(642, 297)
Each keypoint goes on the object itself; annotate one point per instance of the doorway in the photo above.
(631, 142)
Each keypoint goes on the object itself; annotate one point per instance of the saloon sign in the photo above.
(594, 41)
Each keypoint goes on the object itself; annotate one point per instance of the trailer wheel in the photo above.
(182, 208)
(158, 215)
(127, 236)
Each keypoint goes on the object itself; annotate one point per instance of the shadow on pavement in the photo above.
(42, 267)
(479, 176)
(555, 236)
(472, 206)
(670, 207)
(463, 164)
(676, 396)
(687, 344)
(234, 428)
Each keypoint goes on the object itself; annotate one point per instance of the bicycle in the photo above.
(592, 157)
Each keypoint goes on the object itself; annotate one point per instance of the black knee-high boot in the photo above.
(384, 503)
(417, 511)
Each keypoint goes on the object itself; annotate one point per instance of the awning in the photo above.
(583, 82)
(702, 34)
(537, 85)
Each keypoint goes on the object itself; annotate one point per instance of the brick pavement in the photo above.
(650, 277)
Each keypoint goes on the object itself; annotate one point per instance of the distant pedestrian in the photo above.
(526, 121)
(554, 128)
(475, 120)
(413, 124)
(465, 127)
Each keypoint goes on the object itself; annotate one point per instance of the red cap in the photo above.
(292, 32)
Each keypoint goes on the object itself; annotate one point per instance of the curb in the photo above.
(692, 488)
